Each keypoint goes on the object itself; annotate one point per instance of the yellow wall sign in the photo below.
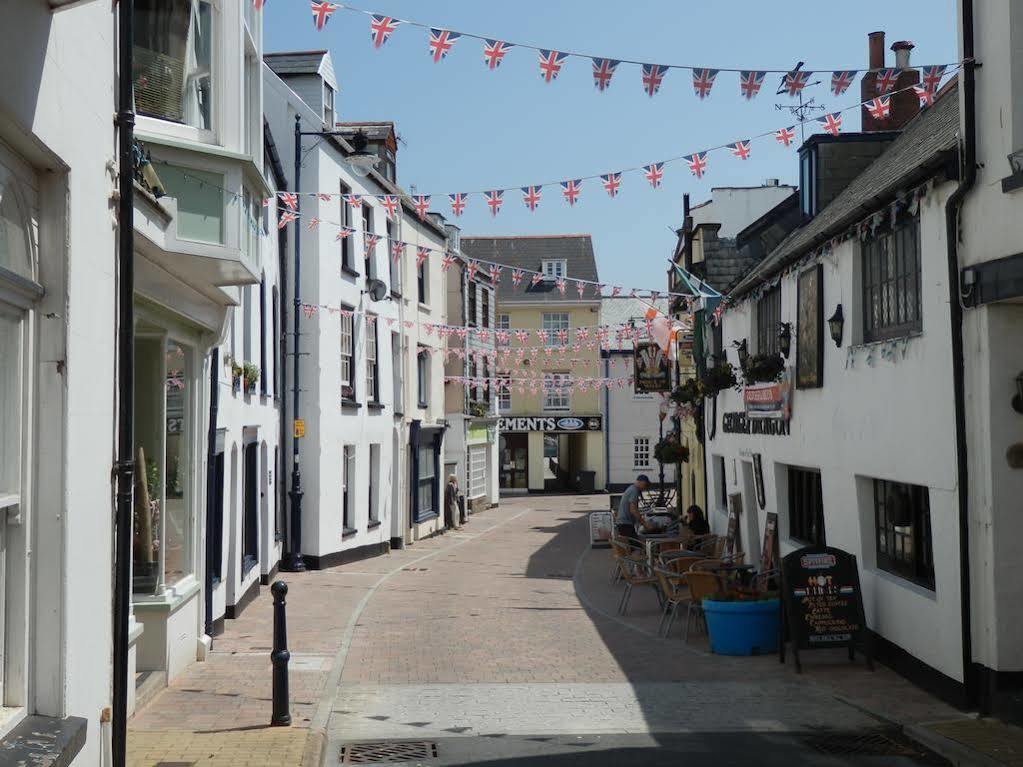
(299, 428)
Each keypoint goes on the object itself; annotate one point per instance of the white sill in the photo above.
(10, 717)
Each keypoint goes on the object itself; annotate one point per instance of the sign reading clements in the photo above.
(551, 424)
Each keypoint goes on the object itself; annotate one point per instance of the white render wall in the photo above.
(892, 420)
(735, 208)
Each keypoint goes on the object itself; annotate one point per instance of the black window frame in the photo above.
(421, 282)
(806, 506)
(886, 265)
(346, 220)
(768, 321)
(918, 565)
(353, 365)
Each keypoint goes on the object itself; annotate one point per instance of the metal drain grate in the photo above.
(385, 751)
(872, 744)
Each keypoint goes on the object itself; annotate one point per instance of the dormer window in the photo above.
(808, 182)
(553, 268)
(328, 105)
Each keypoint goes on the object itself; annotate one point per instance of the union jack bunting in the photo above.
(422, 253)
(560, 285)
(494, 199)
(926, 96)
(441, 41)
(457, 202)
(653, 76)
(516, 277)
(794, 82)
(741, 149)
(598, 288)
(932, 77)
(612, 183)
(446, 262)
(343, 232)
(703, 81)
(536, 280)
(472, 267)
(291, 200)
(551, 63)
(267, 201)
(325, 197)
(381, 28)
(286, 218)
(421, 202)
(493, 52)
(616, 291)
(750, 83)
(390, 203)
(495, 273)
(313, 223)
(531, 196)
(580, 288)
(258, 4)
(697, 163)
(570, 190)
(785, 136)
(355, 200)
(886, 79)
(603, 71)
(397, 248)
(832, 123)
(322, 12)
(654, 173)
(369, 242)
(841, 80)
(880, 107)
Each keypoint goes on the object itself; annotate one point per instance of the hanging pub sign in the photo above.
(653, 373)
(770, 400)
(822, 603)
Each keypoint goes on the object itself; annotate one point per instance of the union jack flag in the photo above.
(697, 163)
(493, 52)
(531, 196)
(785, 136)
(472, 267)
(832, 123)
(654, 173)
(286, 218)
(369, 242)
(390, 203)
(258, 4)
(421, 202)
(446, 262)
(457, 202)
(422, 253)
(397, 248)
(880, 108)
(313, 223)
(598, 288)
(932, 77)
(381, 28)
(536, 280)
(290, 199)
(355, 200)
(616, 291)
(750, 83)
(325, 197)
(516, 278)
(886, 79)
(741, 149)
(570, 190)
(551, 63)
(795, 81)
(653, 75)
(841, 80)
(560, 285)
(612, 183)
(926, 96)
(703, 81)
(495, 198)
(603, 71)
(322, 12)
(441, 41)
(343, 232)
(495, 273)
(580, 288)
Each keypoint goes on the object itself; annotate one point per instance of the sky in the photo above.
(463, 127)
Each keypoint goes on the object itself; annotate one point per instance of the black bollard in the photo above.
(279, 657)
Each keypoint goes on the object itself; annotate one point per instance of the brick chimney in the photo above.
(905, 106)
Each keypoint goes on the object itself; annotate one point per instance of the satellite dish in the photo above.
(377, 289)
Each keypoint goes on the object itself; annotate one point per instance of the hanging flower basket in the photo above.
(689, 393)
(670, 450)
(718, 378)
(236, 375)
(763, 368)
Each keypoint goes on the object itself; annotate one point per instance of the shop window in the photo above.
(372, 365)
(806, 506)
(200, 198)
(891, 282)
(423, 371)
(553, 268)
(426, 488)
(347, 337)
(553, 322)
(373, 499)
(173, 61)
(556, 391)
(346, 221)
(348, 476)
(768, 321)
(641, 452)
(902, 516)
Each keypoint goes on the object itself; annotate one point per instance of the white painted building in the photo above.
(631, 423)
(736, 207)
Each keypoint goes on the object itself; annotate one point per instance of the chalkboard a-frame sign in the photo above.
(822, 603)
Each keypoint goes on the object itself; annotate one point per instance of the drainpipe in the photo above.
(211, 490)
(607, 424)
(125, 466)
(953, 209)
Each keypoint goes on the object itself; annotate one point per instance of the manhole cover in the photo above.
(872, 744)
(375, 753)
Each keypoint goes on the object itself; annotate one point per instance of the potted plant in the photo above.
(250, 372)
(688, 393)
(479, 409)
(236, 375)
(763, 368)
(743, 622)
(670, 450)
(718, 378)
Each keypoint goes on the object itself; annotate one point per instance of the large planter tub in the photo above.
(742, 628)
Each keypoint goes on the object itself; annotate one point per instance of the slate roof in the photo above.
(621, 309)
(529, 252)
(908, 160)
(295, 62)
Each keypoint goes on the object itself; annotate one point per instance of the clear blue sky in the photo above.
(465, 128)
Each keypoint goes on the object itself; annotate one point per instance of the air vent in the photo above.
(382, 752)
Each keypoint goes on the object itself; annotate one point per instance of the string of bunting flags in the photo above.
(550, 383)
(550, 61)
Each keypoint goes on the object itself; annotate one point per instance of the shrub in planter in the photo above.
(478, 409)
(670, 450)
(718, 378)
(763, 368)
(689, 393)
(743, 624)
(236, 375)
(250, 372)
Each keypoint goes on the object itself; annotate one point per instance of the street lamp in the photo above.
(361, 161)
(785, 338)
(1017, 401)
(836, 323)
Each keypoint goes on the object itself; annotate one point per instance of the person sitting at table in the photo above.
(629, 519)
(696, 521)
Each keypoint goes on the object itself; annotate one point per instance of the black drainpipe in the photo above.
(125, 465)
(211, 490)
(953, 209)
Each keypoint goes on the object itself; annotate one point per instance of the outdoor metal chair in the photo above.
(676, 593)
(621, 550)
(701, 586)
(635, 573)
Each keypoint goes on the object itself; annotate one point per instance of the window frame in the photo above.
(346, 220)
(504, 399)
(551, 328)
(471, 304)
(484, 306)
(347, 318)
(921, 569)
(427, 448)
(393, 268)
(372, 361)
(561, 380)
(368, 256)
(882, 282)
(641, 445)
(807, 524)
(328, 95)
(769, 322)
(422, 283)
(503, 322)
(373, 499)
(423, 374)
(348, 472)
(553, 268)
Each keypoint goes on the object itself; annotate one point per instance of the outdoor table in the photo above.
(653, 539)
(681, 554)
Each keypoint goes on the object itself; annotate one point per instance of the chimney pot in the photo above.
(875, 45)
(903, 49)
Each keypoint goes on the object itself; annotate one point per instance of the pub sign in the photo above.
(653, 373)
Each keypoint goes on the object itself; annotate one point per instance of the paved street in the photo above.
(500, 644)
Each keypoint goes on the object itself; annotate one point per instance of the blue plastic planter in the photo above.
(742, 628)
